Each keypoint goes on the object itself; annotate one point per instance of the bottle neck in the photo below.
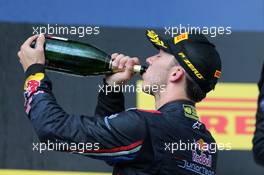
(136, 69)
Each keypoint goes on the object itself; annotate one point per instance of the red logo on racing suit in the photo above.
(32, 86)
(32, 83)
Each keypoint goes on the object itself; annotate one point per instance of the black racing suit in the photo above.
(258, 140)
(170, 140)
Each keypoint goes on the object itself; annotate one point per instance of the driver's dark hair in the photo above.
(193, 90)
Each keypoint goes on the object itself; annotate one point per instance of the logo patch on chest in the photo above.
(190, 111)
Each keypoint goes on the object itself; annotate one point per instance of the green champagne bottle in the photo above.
(73, 57)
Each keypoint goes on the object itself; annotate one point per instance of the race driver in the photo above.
(165, 141)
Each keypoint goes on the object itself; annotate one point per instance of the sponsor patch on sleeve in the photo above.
(32, 83)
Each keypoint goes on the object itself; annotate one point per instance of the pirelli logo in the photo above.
(190, 65)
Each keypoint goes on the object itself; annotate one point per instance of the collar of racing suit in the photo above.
(175, 105)
(186, 107)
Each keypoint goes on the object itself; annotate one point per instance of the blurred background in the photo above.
(119, 26)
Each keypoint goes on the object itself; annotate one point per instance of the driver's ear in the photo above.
(176, 73)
